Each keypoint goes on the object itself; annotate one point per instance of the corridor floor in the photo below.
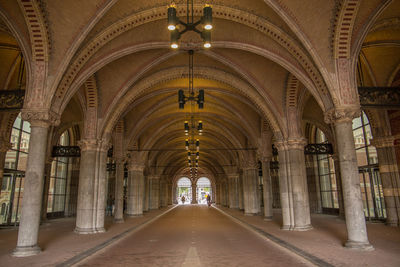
(194, 235)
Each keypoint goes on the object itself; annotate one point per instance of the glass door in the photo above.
(372, 194)
(12, 190)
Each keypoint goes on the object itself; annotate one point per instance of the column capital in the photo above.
(40, 117)
(136, 166)
(249, 165)
(342, 114)
(88, 144)
(383, 141)
(298, 143)
(153, 177)
(232, 175)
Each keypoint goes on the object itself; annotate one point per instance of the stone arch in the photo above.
(222, 12)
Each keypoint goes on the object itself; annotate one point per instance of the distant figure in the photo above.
(183, 199)
(110, 203)
(208, 200)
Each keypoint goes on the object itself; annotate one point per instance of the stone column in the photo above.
(218, 193)
(285, 187)
(194, 193)
(267, 188)
(33, 188)
(174, 198)
(47, 170)
(119, 191)
(101, 186)
(146, 194)
(170, 193)
(250, 192)
(339, 185)
(389, 173)
(313, 184)
(240, 191)
(85, 210)
(354, 210)
(154, 181)
(233, 190)
(135, 190)
(298, 177)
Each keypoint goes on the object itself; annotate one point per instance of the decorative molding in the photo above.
(88, 144)
(380, 97)
(12, 99)
(40, 117)
(274, 165)
(111, 167)
(337, 115)
(344, 27)
(38, 30)
(66, 151)
(318, 149)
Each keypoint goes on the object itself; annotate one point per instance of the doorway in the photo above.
(203, 189)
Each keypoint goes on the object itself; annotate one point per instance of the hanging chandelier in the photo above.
(190, 24)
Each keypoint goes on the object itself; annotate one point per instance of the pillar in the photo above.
(267, 188)
(194, 193)
(170, 193)
(154, 182)
(354, 210)
(174, 196)
(233, 190)
(250, 192)
(218, 193)
(240, 191)
(313, 184)
(389, 174)
(119, 191)
(298, 177)
(146, 194)
(47, 170)
(86, 188)
(33, 188)
(4, 147)
(135, 190)
(101, 186)
(285, 187)
(339, 185)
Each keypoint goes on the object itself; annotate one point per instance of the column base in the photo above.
(100, 230)
(302, 228)
(286, 227)
(363, 246)
(121, 220)
(250, 214)
(85, 231)
(26, 251)
(268, 218)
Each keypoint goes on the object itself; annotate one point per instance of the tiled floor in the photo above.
(215, 239)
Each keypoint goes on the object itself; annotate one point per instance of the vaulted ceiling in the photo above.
(115, 56)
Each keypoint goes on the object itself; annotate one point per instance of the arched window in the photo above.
(367, 159)
(184, 190)
(16, 157)
(326, 178)
(58, 181)
(12, 188)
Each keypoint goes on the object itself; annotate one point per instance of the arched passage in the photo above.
(184, 191)
(204, 188)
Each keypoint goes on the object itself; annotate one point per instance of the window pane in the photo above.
(24, 145)
(325, 183)
(22, 160)
(368, 134)
(14, 138)
(361, 157)
(60, 186)
(17, 122)
(326, 200)
(26, 126)
(11, 159)
(359, 138)
(58, 203)
(373, 156)
(333, 182)
(50, 203)
(356, 123)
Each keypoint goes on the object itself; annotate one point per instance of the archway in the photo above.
(184, 192)
(203, 189)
